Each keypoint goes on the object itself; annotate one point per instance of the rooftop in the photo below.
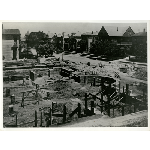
(78, 34)
(141, 34)
(11, 31)
(115, 31)
(90, 33)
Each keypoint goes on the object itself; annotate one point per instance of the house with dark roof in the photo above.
(122, 36)
(89, 37)
(77, 36)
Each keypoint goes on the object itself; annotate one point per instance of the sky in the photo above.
(70, 27)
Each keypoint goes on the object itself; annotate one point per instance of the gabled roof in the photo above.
(103, 32)
(141, 34)
(129, 32)
(11, 31)
(115, 31)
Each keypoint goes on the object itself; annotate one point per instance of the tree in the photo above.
(139, 50)
(72, 43)
(34, 38)
(45, 49)
(82, 44)
(105, 47)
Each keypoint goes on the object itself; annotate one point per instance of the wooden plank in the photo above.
(64, 114)
(35, 118)
(58, 115)
(122, 110)
(74, 112)
(79, 110)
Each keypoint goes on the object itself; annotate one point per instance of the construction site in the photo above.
(54, 92)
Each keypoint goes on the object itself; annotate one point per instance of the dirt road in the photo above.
(78, 58)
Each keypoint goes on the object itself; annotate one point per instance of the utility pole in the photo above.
(63, 45)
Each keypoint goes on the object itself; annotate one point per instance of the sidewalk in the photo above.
(105, 121)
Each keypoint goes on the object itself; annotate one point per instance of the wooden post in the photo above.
(102, 85)
(79, 110)
(11, 108)
(23, 94)
(109, 99)
(22, 103)
(48, 94)
(16, 121)
(102, 102)
(123, 89)
(113, 109)
(122, 110)
(37, 86)
(94, 82)
(127, 89)
(50, 117)
(84, 79)
(119, 89)
(35, 118)
(108, 105)
(85, 103)
(7, 92)
(92, 107)
(52, 107)
(12, 99)
(64, 113)
(37, 96)
(23, 82)
(49, 73)
(41, 120)
(127, 93)
(33, 76)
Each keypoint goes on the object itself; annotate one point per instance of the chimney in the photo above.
(117, 28)
(144, 30)
(2, 26)
(92, 32)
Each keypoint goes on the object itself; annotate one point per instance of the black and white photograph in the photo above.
(74, 74)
